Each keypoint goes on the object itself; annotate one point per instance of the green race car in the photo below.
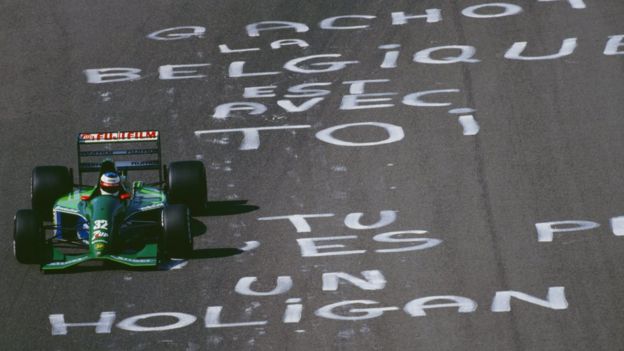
(134, 223)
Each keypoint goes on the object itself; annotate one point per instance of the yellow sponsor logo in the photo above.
(99, 246)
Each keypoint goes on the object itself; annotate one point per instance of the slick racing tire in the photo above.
(28, 237)
(177, 239)
(49, 183)
(187, 184)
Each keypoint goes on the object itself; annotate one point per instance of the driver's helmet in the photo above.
(110, 183)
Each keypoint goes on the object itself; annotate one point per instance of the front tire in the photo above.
(49, 183)
(28, 237)
(177, 239)
(187, 184)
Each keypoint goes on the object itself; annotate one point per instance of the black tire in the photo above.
(187, 184)
(28, 237)
(49, 183)
(177, 240)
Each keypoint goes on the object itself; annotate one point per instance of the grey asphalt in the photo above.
(549, 149)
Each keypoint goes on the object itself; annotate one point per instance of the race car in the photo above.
(134, 223)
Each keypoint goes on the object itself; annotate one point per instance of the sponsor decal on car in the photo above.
(99, 234)
(133, 260)
(65, 209)
(152, 207)
(72, 261)
(147, 135)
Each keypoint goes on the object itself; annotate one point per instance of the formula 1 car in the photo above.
(139, 225)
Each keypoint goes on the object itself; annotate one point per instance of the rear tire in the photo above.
(187, 184)
(28, 237)
(177, 240)
(49, 183)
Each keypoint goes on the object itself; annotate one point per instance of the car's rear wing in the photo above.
(86, 158)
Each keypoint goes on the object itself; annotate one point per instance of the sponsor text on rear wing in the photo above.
(87, 164)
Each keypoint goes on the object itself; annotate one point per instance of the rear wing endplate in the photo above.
(87, 164)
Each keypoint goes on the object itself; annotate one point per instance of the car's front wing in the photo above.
(147, 257)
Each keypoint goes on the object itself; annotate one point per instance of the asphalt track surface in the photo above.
(548, 149)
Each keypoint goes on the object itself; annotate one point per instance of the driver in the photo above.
(110, 184)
